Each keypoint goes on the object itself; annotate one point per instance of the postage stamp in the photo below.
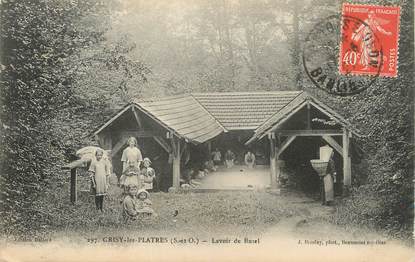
(369, 40)
(321, 50)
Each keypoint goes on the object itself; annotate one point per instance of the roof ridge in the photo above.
(266, 120)
(205, 109)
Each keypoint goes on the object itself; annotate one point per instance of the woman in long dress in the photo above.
(328, 182)
(131, 159)
(131, 154)
(327, 190)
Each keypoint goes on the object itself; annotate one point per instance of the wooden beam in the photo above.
(333, 143)
(141, 133)
(287, 116)
(122, 111)
(137, 119)
(162, 143)
(347, 168)
(285, 144)
(173, 144)
(184, 147)
(308, 116)
(315, 132)
(273, 161)
(271, 137)
(176, 163)
(74, 181)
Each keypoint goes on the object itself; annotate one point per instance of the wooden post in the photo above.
(277, 163)
(176, 163)
(273, 160)
(308, 116)
(73, 193)
(347, 168)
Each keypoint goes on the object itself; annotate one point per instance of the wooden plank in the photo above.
(315, 132)
(285, 144)
(73, 191)
(137, 119)
(334, 144)
(162, 143)
(347, 169)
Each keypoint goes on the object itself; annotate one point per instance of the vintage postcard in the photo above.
(207, 130)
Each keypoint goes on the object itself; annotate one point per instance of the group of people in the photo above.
(136, 181)
(249, 158)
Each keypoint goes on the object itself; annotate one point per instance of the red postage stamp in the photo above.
(369, 40)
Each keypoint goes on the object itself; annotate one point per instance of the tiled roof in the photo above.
(184, 115)
(244, 110)
(199, 117)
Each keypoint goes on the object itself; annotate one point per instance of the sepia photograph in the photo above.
(207, 130)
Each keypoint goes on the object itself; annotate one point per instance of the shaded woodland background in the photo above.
(67, 65)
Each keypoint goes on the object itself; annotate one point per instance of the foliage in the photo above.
(67, 66)
(383, 113)
(39, 37)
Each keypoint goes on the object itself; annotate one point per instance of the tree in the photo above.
(38, 38)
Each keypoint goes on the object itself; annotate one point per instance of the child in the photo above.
(144, 203)
(131, 176)
(130, 203)
(99, 172)
(148, 175)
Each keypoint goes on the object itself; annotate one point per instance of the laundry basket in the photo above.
(320, 166)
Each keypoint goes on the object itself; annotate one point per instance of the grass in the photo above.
(219, 214)
(203, 214)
